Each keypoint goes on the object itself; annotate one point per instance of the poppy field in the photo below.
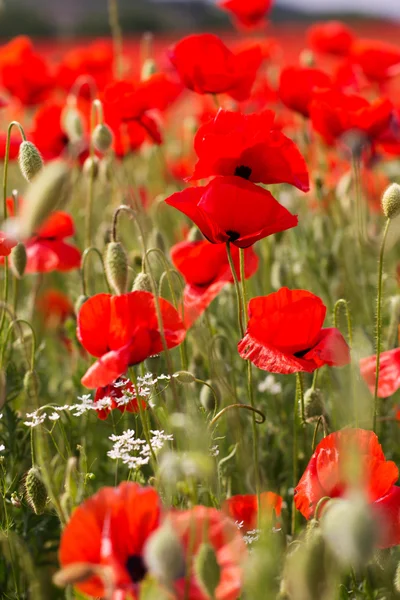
(200, 314)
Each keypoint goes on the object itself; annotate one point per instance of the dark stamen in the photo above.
(301, 353)
(243, 172)
(233, 235)
(136, 568)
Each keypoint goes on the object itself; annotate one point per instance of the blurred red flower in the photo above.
(389, 372)
(232, 209)
(24, 73)
(54, 307)
(331, 37)
(207, 66)
(110, 530)
(206, 271)
(6, 244)
(160, 91)
(378, 60)
(296, 87)
(47, 251)
(285, 334)
(326, 475)
(93, 62)
(122, 395)
(248, 146)
(202, 525)
(122, 331)
(47, 133)
(248, 13)
(243, 508)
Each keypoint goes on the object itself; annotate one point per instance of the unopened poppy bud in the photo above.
(307, 58)
(142, 283)
(116, 266)
(102, 137)
(49, 190)
(35, 491)
(74, 573)
(184, 377)
(90, 167)
(195, 235)
(164, 555)
(18, 260)
(80, 302)
(209, 398)
(313, 404)
(71, 123)
(149, 68)
(30, 160)
(207, 569)
(3, 388)
(391, 201)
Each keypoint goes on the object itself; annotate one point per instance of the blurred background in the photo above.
(71, 18)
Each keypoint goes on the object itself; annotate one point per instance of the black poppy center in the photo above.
(136, 568)
(301, 353)
(232, 235)
(243, 172)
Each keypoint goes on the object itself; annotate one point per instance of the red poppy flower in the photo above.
(208, 525)
(6, 244)
(47, 133)
(248, 146)
(331, 37)
(47, 251)
(160, 90)
(55, 307)
(285, 334)
(207, 66)
(24, 73)
(326, 475)
(243, 508)
(379, 60)
(334, 113)
(232, 209)
(122, 331)
(248, 13)
(121, 394)
(94, 61)
(296, 87)
(206, 271)
(110, 530)
(389, 372)
(15, 142)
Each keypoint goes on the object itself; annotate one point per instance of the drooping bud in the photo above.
(71, 123)
(90, 167)
(391, 201)
(30, 160)
(313, 404)
(31, 384)
(149, 68)
(208, 398)
(164, 555)
(35, 491)
(18, 260)
(116, 266)
(142, 283)
(207, 569)
(80, 302)
(102, 137)
(184, 377)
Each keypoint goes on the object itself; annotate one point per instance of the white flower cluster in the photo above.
(135, 452)
(270, 385)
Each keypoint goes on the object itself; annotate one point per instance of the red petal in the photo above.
(389, 372)
(58, 225)
(94, 324)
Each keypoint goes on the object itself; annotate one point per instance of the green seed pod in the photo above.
(30, 160)
(208, 400)
(35, 491)
(195, 235)
(149, 68)
(80, 302)
(102, 137)
(184, 377)
(313, 404)
(18, 260)
(207, 569)
(164, 555)
(31, 384)
(90, 167)
(72, 125)
(142, 283)
(391, 201)
(116, 266)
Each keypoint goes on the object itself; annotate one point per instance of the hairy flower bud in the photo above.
(313, 404)
(207, 569)
(90, 167)
(102, 137)
(142, 283)
(71, 123)
(164, 555)
(184, 377)
(30, 160)
(18, 260)
(208, 398)
(35, 491)
(391, 201)
(116, 266)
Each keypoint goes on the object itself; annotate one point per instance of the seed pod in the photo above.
(49, 190)
(184, 377)
(35, 491)
(102, 137)
(313, 404)
(31, 384)
(207, 569)
(391, 201)
(116, 266)
(164, 555)
(18, 260)
(142, 283)
(149, 68)
(72, 125)
(30, 160)
(80, 302)
(90, 167)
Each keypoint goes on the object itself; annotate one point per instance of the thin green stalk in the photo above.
(243, 284)
(237, 288)
(295, 454)
(143, 420)
(300, 384)
(96, 113)
(116, 32)
(378, 324)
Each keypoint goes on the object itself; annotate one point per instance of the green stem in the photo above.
(83, 265)
(378, 326)
(300, 385)
(143, 420)
(243, 284)
(237, 288)
(343, 303)
(96, 113)
(116, 32)
(295, 454)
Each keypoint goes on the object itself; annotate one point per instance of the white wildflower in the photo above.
(270, 385)
(35, 419)
(214, 450)
(2, 447)
(135, 452)
(252, 536)
(54, 416)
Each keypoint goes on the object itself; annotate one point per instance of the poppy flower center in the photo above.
(233, 235)
(301, 353)
(136, 568)
(243, 172)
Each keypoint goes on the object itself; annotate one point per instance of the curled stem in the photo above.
(83, 265)
(238, 406)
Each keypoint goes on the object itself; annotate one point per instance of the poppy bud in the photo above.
(74, 573)
(195, 235)
(184, 377)
(142, 283)
(102, 137)
(313, 404)
(116, 266)
(71, 123)
(391, 201)
(207, 569)
(3, 388)
(307, 58)
(35, 491)
(31, 384)
(79, 303)
(208, 399)
(91, 167)
(164, 555)
(149, 68)
(48, 191)
(30, 160)
(18, 260)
